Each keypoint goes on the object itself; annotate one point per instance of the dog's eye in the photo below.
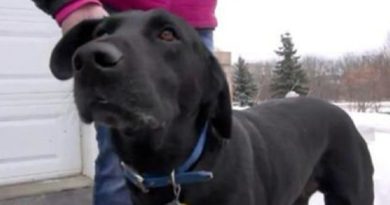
(167, 35)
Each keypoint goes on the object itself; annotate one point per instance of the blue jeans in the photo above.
(110, 185)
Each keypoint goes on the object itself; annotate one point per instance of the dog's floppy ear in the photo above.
(61, 57)
(221, 110)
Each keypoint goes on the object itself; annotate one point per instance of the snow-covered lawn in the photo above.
(384, 106)
(375, 128)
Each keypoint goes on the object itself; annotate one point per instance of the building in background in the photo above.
(225, 59)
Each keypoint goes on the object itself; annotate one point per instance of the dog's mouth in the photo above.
(104, 112)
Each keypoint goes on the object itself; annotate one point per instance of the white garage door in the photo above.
(39, 128)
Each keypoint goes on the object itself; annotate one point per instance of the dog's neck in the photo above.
(162, 154)
(175, 148)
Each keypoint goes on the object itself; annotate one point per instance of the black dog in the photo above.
(148, 76)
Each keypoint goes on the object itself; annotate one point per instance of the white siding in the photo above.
(39, 127)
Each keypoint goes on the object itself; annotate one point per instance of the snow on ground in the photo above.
(384, 106)
(375, 128)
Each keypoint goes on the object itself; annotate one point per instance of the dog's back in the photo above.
(310, 145)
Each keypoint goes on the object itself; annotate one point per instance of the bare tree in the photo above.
(362, 87)
(262, 74)
(323, 76)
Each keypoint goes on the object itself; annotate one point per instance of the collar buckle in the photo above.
(135, 178)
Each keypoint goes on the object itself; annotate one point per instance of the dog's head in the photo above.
(142, 71)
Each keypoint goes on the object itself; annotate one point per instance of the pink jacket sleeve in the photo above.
(70, 7)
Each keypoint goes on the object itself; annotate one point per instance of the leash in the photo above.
(179, 176)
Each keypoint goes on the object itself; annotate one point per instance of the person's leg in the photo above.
(207, 38)
(110, 185)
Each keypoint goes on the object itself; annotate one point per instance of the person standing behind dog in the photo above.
(110, 185)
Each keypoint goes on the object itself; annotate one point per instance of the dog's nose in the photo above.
(97, 56)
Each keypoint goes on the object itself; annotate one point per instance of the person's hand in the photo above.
(89, 11)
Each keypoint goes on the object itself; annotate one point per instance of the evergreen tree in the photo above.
(288, 74)
(244, 85)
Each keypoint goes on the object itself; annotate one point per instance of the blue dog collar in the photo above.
(181, 174)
